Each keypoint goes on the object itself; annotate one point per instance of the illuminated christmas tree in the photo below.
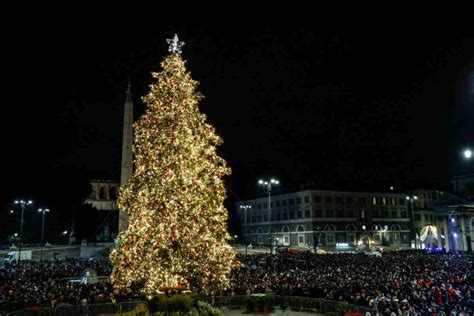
(177, 231)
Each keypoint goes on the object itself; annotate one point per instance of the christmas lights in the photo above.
(177, 231)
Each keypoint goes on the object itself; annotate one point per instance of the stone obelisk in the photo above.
(127, 155)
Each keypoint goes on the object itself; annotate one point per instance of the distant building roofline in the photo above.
(389, 193)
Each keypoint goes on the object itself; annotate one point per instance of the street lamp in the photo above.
(413, 231)
(316, 242)
(23, 205)
(359, 240)
(383, 230)
(235, 238)
(267, 185)
(44, 211)
(467, 153)
(245, 207)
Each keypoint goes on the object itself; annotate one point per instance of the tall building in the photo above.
(328, 219)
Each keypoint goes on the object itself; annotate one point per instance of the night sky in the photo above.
(348, 110)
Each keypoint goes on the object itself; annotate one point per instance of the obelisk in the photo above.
(127, 155)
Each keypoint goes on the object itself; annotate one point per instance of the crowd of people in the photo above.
(48, 283)
(397, 282)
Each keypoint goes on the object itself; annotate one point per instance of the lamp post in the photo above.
(43, 211)
(23, 205)
(383, 230)
(413, 231)
(359, 240)
(235, 238)
(245, 207)
(267, 185)
(316, 242)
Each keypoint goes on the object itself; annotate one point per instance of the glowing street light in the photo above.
(412, 199)
(44, 211)
(267, 185)
(467, 153)
(23, 205)
(245, 207)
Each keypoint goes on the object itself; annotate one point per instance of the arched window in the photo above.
(102, 195)
(395, 227)
(272, 230)
(300, 229)
(259, 230)
(330, 227)
(351, 227)
(285, 229)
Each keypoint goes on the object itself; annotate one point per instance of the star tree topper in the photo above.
(175, 44)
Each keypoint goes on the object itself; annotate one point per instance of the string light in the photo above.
(177, 234)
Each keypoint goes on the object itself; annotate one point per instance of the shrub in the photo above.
(181, 303)
(260, 302)
(206, 309)
(250, 303)
(157, 303)
(269, 300)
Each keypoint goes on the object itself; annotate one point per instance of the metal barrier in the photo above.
(297, 303)
(91, 309)
(135, 308)
(322, 306)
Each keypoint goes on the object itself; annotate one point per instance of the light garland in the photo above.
(177, 231)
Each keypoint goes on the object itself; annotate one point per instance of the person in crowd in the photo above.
(400, 283)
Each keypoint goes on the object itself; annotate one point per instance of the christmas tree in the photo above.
(177, 233)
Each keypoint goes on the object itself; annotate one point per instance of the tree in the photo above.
(177, 231)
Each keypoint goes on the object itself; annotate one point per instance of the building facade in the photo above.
(104, 195)
(455, 222)
(424, 212)
(327, 219)
(104, 199)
